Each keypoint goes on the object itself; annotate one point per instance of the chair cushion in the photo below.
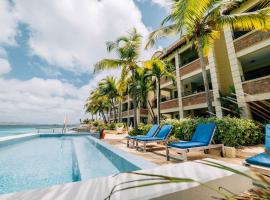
(262, 159)
(148, 139)
(186, 145)
(164, 131)
(204, 133)
(136, 136)
(152, 131)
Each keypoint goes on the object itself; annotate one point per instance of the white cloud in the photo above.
(4, 63)
(4, 66)
(163, 3)
(72, 34)
(8, 23)
(44, 100)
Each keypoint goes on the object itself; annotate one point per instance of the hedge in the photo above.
(232, 132)
(142, 129)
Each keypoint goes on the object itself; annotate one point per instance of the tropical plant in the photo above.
(158, 70)
(230, 131)
(128, 50)
(122, 88)
(143, 85)
(98, 103)
(108, 87)
(201, 22)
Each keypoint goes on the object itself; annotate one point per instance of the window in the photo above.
(188, 56)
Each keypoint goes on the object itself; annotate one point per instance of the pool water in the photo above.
(42, 162)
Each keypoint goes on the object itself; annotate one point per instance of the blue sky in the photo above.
(48, 49)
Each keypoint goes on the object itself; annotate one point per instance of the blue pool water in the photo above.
(41, 162)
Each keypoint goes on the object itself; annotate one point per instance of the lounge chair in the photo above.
(201, 141)
(161, 136)
(261, 161)
(151, 133)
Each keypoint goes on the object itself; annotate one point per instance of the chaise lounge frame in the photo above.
(184, 152)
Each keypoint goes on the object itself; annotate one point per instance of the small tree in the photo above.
(158, 70)
(128, 50)
(108, 87)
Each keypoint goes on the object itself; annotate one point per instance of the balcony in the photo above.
(166, 80)
(144, 111)
(169, 104)
(195, 99)
(250, 39)
(257, 86)
(124, 113)
(191, 67)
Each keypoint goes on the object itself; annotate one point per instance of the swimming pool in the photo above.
(45, 161)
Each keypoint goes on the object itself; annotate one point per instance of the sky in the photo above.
(48, 49)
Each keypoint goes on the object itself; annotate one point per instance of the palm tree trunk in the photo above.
(104, 117)
(205, 78)
(120, 112)
(114, 111)
(134, 100)
(158, 100)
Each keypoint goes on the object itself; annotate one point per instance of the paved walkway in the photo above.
(157, 153)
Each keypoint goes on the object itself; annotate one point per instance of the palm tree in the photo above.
(108, 87)
(202, 21)
(128, 49)
(143, 85)
(122, 88)
(98, 103)
(158, 70)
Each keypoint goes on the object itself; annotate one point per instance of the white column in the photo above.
(215, 83)
(236, 69)
(179, 87)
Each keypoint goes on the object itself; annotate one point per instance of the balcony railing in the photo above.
(166, 80)
(257, 86)
(172, 103)
(195, 99)
(191, 67)
(125, 113)
(144, 111)
(250, 39)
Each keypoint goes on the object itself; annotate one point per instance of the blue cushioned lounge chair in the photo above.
(151, 133)
(261, 161)
(161, 136)
(201, 140)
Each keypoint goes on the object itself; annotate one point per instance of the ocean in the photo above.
(7, 130)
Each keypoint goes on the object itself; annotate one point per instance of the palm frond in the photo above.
(264, 3)
(109, 64)
(170, 30)
(246, 21)
(110, 46)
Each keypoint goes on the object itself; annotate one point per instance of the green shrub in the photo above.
(110, 126)
(230, 131)
(142, 129)
(119, 125)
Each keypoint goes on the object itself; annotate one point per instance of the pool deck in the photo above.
(17, 136)
(157, 152)
(100, 188)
